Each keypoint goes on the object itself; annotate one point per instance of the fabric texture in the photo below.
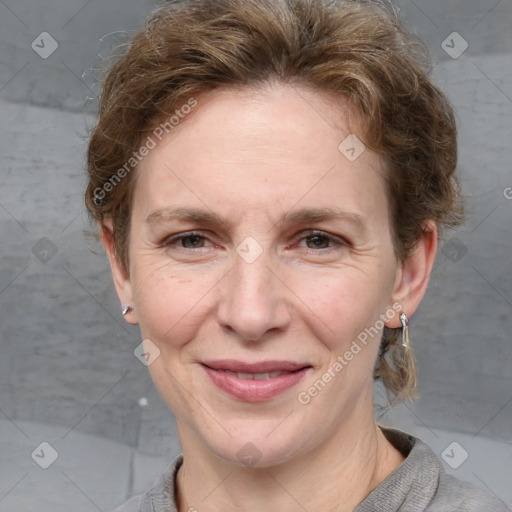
(419, 484)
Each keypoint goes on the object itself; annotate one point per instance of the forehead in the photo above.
(259, 150)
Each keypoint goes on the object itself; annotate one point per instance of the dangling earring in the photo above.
(405, 331)
(126, 310)
(408, 362)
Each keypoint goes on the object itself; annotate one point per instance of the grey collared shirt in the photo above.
(419, 484)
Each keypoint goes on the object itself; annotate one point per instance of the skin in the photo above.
(252, 156)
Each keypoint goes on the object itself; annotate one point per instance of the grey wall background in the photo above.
(68, 375)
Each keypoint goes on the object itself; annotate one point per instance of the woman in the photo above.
(270, 179)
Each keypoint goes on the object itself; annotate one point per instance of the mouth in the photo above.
(255, 382)
(255, 376)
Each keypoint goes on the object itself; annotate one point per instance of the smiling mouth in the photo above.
(256, 376)
(255, 382)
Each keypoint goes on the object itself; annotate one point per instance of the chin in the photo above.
(258, 444)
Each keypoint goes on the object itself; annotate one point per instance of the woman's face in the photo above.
(257, 245)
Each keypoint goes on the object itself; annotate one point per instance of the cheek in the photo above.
(343, 303)
(343, 309)
(169, 304)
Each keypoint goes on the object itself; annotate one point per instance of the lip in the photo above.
(254, 390)
(234, 365)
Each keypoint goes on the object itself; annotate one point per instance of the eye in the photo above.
(191, 240)
(318, 241)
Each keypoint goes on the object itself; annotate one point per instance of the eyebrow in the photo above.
(185, 214)
(302, 216)
(312, 215)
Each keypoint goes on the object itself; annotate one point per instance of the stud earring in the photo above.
(126, 310)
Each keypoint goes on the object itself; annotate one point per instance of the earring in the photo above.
(405, 330)
(126, 310)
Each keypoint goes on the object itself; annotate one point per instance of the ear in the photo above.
(119, 273)
(414, 274)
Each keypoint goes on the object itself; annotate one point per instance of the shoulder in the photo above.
(420, 484)
(160, 497)
(455, 495)
(132, 505)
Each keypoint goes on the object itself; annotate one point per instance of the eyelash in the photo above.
(335, 241)
(176, 238)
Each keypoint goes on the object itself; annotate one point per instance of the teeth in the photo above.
(245, 376)
(255, 376)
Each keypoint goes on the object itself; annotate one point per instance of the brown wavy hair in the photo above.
(354, 50)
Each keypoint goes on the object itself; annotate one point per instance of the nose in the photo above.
(253, 301)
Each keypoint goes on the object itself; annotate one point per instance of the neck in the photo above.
(335, 476)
